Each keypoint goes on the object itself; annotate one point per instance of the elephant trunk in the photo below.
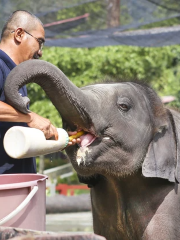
(68, 99)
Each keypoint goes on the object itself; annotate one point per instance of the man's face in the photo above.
(31, 45)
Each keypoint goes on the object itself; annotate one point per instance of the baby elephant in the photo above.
(129, 154)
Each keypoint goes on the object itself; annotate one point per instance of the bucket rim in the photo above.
(22, 184)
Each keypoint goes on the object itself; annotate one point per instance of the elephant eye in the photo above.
(123, 107)
(124, 104)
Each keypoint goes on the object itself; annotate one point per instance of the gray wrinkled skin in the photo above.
(133, 164)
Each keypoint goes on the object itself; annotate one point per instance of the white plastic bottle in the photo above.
(24, 142)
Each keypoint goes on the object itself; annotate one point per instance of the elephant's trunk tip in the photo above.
(21, 105)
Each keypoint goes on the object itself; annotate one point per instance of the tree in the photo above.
(113, 13)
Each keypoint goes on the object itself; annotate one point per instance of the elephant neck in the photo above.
(128, 204)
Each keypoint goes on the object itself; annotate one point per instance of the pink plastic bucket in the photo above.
(23, 201)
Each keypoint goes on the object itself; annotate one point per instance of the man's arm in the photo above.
(9, 114)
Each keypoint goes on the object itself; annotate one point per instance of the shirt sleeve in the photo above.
(2, 80)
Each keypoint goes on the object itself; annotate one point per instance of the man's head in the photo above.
(22, 37)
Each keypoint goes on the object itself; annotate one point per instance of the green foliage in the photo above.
(46, 109)
(35, 92)
(50, 162)
(85, 66)
(73, 179)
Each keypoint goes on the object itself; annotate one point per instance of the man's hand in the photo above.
(74, 141)
(44, 125)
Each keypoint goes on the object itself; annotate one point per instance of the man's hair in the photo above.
(20, 18)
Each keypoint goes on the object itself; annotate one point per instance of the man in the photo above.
(22, 38)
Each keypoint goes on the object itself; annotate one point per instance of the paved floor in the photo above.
(69, 222)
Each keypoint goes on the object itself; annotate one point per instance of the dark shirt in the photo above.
(8, 164)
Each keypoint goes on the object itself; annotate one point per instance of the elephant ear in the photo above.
(163, 155)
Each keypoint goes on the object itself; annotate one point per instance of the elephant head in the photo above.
(127, 127)
(130, 135)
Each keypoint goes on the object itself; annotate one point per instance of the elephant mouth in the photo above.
(85, 153)
(86, 149)
(83, 149)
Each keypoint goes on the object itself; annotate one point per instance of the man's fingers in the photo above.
(51, 133)
(78, 140)
(55, 133)
(44, 125)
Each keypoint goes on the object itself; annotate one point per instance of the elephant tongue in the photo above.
(87, 139)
